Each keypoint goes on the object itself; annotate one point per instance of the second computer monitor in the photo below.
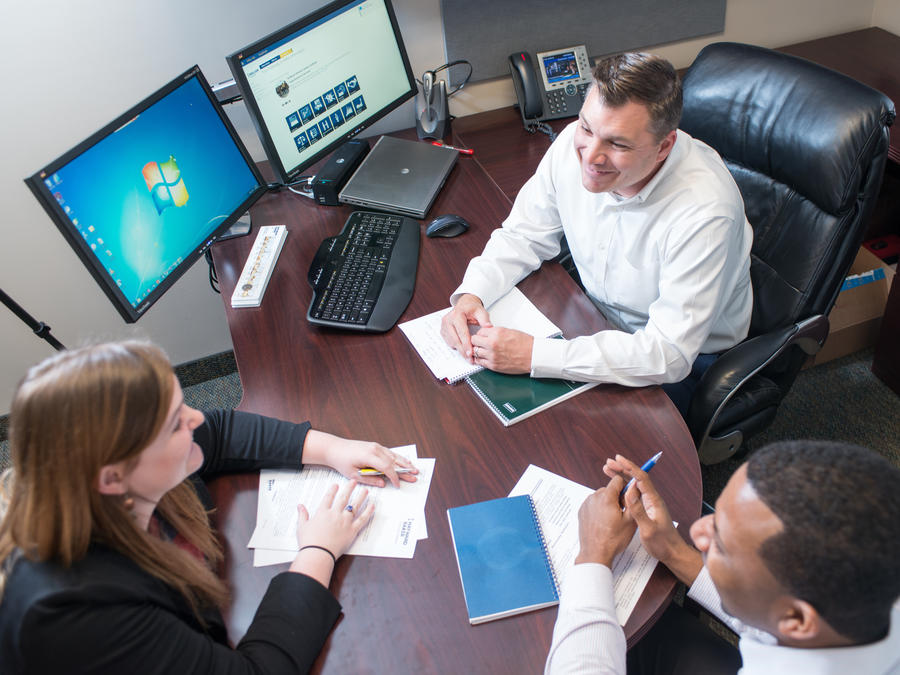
(323, 79)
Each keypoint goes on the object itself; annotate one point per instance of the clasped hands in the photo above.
(500, 349)
(605, 527)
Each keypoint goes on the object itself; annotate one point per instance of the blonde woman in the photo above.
(107, 557)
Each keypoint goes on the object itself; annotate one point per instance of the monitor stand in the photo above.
(239, 229)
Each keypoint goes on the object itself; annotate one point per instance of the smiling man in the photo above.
(657, 232)
(800, 558)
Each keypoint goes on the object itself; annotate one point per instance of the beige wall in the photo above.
(886, 14)
(72, 67)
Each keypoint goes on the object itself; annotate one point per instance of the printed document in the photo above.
(397, 523)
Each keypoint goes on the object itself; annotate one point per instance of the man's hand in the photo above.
(467, 311)
(503, 349)
(658, 535)
(604, 530)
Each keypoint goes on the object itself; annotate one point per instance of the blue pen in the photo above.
(649, 464)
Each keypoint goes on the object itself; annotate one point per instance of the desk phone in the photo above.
(555, 87)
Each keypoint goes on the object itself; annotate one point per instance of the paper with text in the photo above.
(513, 310)
(557, 500)
(396, 525)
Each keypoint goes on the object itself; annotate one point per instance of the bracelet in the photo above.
(321, 548)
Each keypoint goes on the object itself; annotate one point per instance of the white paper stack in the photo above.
(397, 523)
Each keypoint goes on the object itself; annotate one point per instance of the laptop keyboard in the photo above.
(363, 278)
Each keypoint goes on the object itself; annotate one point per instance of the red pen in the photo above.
(463, 151)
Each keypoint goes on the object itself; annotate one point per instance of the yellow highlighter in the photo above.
(369, 471)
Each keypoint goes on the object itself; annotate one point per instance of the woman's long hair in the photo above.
(71, 415)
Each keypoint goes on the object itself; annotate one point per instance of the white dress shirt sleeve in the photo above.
(680, 320)
(530, 235)
(587, 637)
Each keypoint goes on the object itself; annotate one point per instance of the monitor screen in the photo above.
(145, 196)
(321, 80)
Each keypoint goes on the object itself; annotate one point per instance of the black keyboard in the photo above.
(363, 278)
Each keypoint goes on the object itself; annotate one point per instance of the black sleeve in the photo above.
(240, 442)
(91, 636)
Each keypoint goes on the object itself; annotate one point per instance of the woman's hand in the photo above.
(331, 530)
(349, 457)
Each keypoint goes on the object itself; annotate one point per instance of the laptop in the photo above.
(399, 176)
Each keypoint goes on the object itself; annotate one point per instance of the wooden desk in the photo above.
(409, 615)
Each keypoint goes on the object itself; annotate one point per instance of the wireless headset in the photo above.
(432, 111)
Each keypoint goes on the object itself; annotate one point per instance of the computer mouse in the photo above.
(448, 225)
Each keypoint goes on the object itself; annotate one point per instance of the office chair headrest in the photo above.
(811, 128)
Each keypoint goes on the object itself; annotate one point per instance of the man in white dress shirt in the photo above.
(656, 228)
(800, 558)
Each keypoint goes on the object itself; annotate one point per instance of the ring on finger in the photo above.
(349, 508)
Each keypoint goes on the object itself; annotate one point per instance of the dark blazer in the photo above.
(106, 615)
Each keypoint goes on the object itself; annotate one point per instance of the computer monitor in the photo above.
(319, 81)
(143, 198)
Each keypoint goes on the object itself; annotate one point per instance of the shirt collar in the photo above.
(877, 657)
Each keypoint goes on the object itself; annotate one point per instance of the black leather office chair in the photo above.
(807, 147)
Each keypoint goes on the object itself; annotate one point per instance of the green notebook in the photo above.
(512, 398)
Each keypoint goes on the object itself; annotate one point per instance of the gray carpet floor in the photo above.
(840, 400)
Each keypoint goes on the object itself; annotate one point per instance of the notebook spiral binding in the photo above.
(494, 409)
(540, 530)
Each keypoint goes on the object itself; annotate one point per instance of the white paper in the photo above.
(513, 310)
(557, 500)
(397, 523)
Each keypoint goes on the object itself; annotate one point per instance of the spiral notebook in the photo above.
(513, 398)
(502, 557)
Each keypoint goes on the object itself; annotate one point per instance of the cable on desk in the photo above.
(543, 127)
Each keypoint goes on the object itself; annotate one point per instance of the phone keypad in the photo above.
(557, 100)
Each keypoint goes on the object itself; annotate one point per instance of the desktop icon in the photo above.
(165, 184)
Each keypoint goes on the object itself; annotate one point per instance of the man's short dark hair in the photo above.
(642, 78)
(840, 547)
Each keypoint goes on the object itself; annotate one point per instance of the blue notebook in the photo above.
(502, 558)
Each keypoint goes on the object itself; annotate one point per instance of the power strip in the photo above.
(250, 287)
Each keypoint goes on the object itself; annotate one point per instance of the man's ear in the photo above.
(799, 623)
(666, 145)
(111, 479)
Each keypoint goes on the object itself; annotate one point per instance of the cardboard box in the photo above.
(856, 315)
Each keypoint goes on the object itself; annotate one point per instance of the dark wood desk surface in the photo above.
(871, 55)
(508, 153)
(409, 615)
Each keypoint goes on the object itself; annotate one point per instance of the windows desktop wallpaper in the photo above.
(147, 195)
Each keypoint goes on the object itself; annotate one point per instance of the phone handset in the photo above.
(552, 88)
(525, 82)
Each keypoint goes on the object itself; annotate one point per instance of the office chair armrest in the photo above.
(734, 368)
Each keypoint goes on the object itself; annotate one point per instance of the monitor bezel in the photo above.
(289, 175)
(37, 186)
